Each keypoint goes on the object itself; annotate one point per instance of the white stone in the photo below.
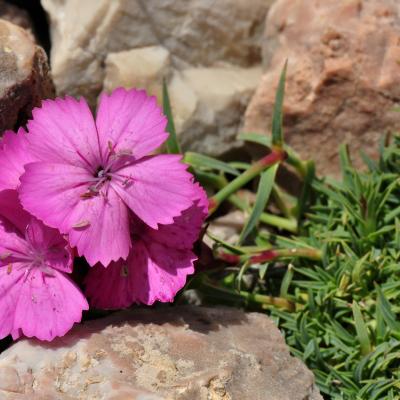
(209, 104)
(142, 68)
(196, 32)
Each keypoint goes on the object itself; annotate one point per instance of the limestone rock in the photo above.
(142, 68)
(343, 75)
(165, 354)
(195, 32)
(24, 75)
(208, 105)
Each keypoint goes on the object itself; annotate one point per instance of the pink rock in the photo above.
(343, 76)
(166, 353)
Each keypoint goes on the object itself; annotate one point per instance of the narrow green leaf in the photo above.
(197, 160)
(286, 281)
(386, 311)
(256, 138)
(262, 270)
(263, 193)
(172, 141)
(234, 249)
(277, 135)
(306, 190)
(361, 329)
(242, 271)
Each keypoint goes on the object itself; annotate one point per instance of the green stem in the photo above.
(274, 157)
(263, 300)
(268, 300)
(287, 224)
(272, 254)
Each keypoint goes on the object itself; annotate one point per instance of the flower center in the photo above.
(100, 177)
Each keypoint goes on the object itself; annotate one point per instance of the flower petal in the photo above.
(151, 272)
(158, 188)
(48, 306)
(14, 154)
(97, 226)
(12, 211)
(54, 246)
(63, 131)
(107, 237)
(10, 286)
(185, 229)
(130, 120)
(12, 244)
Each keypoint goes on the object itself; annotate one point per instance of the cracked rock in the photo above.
(24, 75)
(193, 31)
(343, 78)
(102, 44)
(168, 353)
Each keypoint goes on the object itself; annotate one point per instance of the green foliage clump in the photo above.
(345, 326)
(324, 264)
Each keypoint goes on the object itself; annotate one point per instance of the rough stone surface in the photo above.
(343, 75)
(15, 15)
(226, 227)
(173, 353)
(209, 104)
(24, 75)
(142, 68)
(102, 44)
(196, 32)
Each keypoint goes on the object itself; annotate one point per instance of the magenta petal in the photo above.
(129, 120)
(48, 306)
(58, 254)
(186, 228)
(11, 242)
(14, 154)
(152, 272)
(10, 285)
(97, 226)
(107, 237)
(63, 131)
(12, 211)
(159, 189)
(51, 192)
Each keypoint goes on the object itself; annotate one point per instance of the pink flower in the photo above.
(157, 265)
(89, 174)
(14, 154)
(36, 296)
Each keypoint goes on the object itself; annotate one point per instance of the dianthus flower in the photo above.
(37, 299)
(90, 174)
(157, 265)
(14, 154)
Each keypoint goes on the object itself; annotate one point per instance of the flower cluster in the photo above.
(71, 184)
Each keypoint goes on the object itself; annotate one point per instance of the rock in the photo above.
(208, 106)
(16, 15)
(160, 354)
(84, 33)
(209, 52)
(226, 227)
(343, 75)
(142, 68)
(24, 75)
